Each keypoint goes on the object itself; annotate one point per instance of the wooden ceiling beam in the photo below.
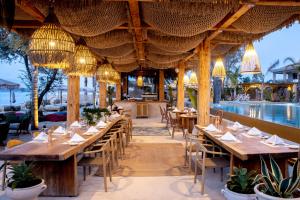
(136, 23)
(31, 10)
(273, 3)
(31, 24)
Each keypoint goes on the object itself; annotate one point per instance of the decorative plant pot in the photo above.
(30, 193)
(230, 195)
(262, 196)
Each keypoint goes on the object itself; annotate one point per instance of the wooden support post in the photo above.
(180, 88)
(73, 99)
(161, 85)
(118, 91)
(102, 95)
(204, 84)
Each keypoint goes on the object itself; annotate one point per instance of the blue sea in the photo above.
(20, 97)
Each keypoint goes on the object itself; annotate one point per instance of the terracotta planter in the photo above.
(263, 196)
(30, 193)
(230, 195)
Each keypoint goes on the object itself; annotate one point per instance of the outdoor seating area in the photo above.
(155, 126)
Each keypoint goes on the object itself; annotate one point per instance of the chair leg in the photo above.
(196, 171)
(110, 174)
(221, 174)
(4, 175)
(202, 180)
(84, 173)
(173, 131)
(104, 177)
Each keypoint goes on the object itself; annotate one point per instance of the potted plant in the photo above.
(23, 184)
(240, 186)
(273, 186)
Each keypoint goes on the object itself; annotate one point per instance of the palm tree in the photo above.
(233, 75)
(293, 61)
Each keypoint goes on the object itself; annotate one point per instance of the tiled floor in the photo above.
(152, 188)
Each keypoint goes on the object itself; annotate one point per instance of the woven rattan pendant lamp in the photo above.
(250, 63)
(50, 46)
(140, 81)
(219, 70)
(104, 72)
(85, 63)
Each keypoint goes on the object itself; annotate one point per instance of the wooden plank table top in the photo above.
(57, 150)
(193, 116)
(249, 147)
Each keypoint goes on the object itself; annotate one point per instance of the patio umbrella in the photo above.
(4, 84)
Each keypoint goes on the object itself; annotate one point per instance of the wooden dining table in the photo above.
(56, 162)
(188, 121)
(247, 150)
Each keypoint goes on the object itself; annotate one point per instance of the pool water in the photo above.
(280, 113)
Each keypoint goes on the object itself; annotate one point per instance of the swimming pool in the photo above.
(280, 113)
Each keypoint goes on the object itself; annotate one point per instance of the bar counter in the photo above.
(153, 107)
(55, 162)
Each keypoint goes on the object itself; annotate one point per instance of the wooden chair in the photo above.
(220, 114)
(162, 113)
(204, 161)
(167, 118)
(113, 148)
(120, 139)
(10, 144)
(191, 140)
(98, 156)
(174, 123)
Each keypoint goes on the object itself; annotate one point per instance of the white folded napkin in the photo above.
(275, 140)
(254, 132)
(101, 124)
(116, 115)
(176, 109)
(60, 130)
(76, 139)
(76, 124)
(237, 125)
(92, 129)
(211, 128)
(42, 137)
(193, 110)
(228, 137)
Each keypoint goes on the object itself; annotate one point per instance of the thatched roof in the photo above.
(161, 34)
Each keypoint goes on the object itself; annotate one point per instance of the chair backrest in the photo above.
(220, 114)
(161, 110)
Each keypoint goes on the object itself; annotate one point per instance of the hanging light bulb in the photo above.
(219, 70)
(50, 46)
(193, 79)
(140, 81)
(250, 63)
(186, 80)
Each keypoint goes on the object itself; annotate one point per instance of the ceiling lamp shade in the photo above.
(140, 81)
(219, 70)
(250, 63)
(106, 73)
(50, 46)
(186, 80)
(193, 79)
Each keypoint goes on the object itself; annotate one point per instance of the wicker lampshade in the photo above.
(105, 72)
(219, 69)
(250, 63)
(50, 45)
(84, 61)
(193, 79)
(140, 81)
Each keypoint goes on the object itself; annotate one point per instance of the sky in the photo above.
(277, 45)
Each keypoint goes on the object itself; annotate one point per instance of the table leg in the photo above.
(60, 176)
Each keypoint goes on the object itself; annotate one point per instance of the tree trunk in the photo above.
(35, 107)
(234, 93)
(47, 87)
